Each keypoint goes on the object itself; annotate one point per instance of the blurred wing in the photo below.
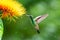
(38, 19)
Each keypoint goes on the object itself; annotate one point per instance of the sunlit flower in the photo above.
(11, 9)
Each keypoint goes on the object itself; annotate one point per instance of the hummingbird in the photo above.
(37, 20)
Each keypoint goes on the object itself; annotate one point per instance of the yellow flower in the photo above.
(11, 8)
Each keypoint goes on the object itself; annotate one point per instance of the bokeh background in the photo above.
(23, 29)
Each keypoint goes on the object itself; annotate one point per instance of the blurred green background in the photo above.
(23, 29)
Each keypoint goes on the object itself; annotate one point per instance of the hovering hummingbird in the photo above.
(37, 20)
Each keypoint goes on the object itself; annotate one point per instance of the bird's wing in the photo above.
(40, 18)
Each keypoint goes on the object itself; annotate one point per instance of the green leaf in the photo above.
(1, 29)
